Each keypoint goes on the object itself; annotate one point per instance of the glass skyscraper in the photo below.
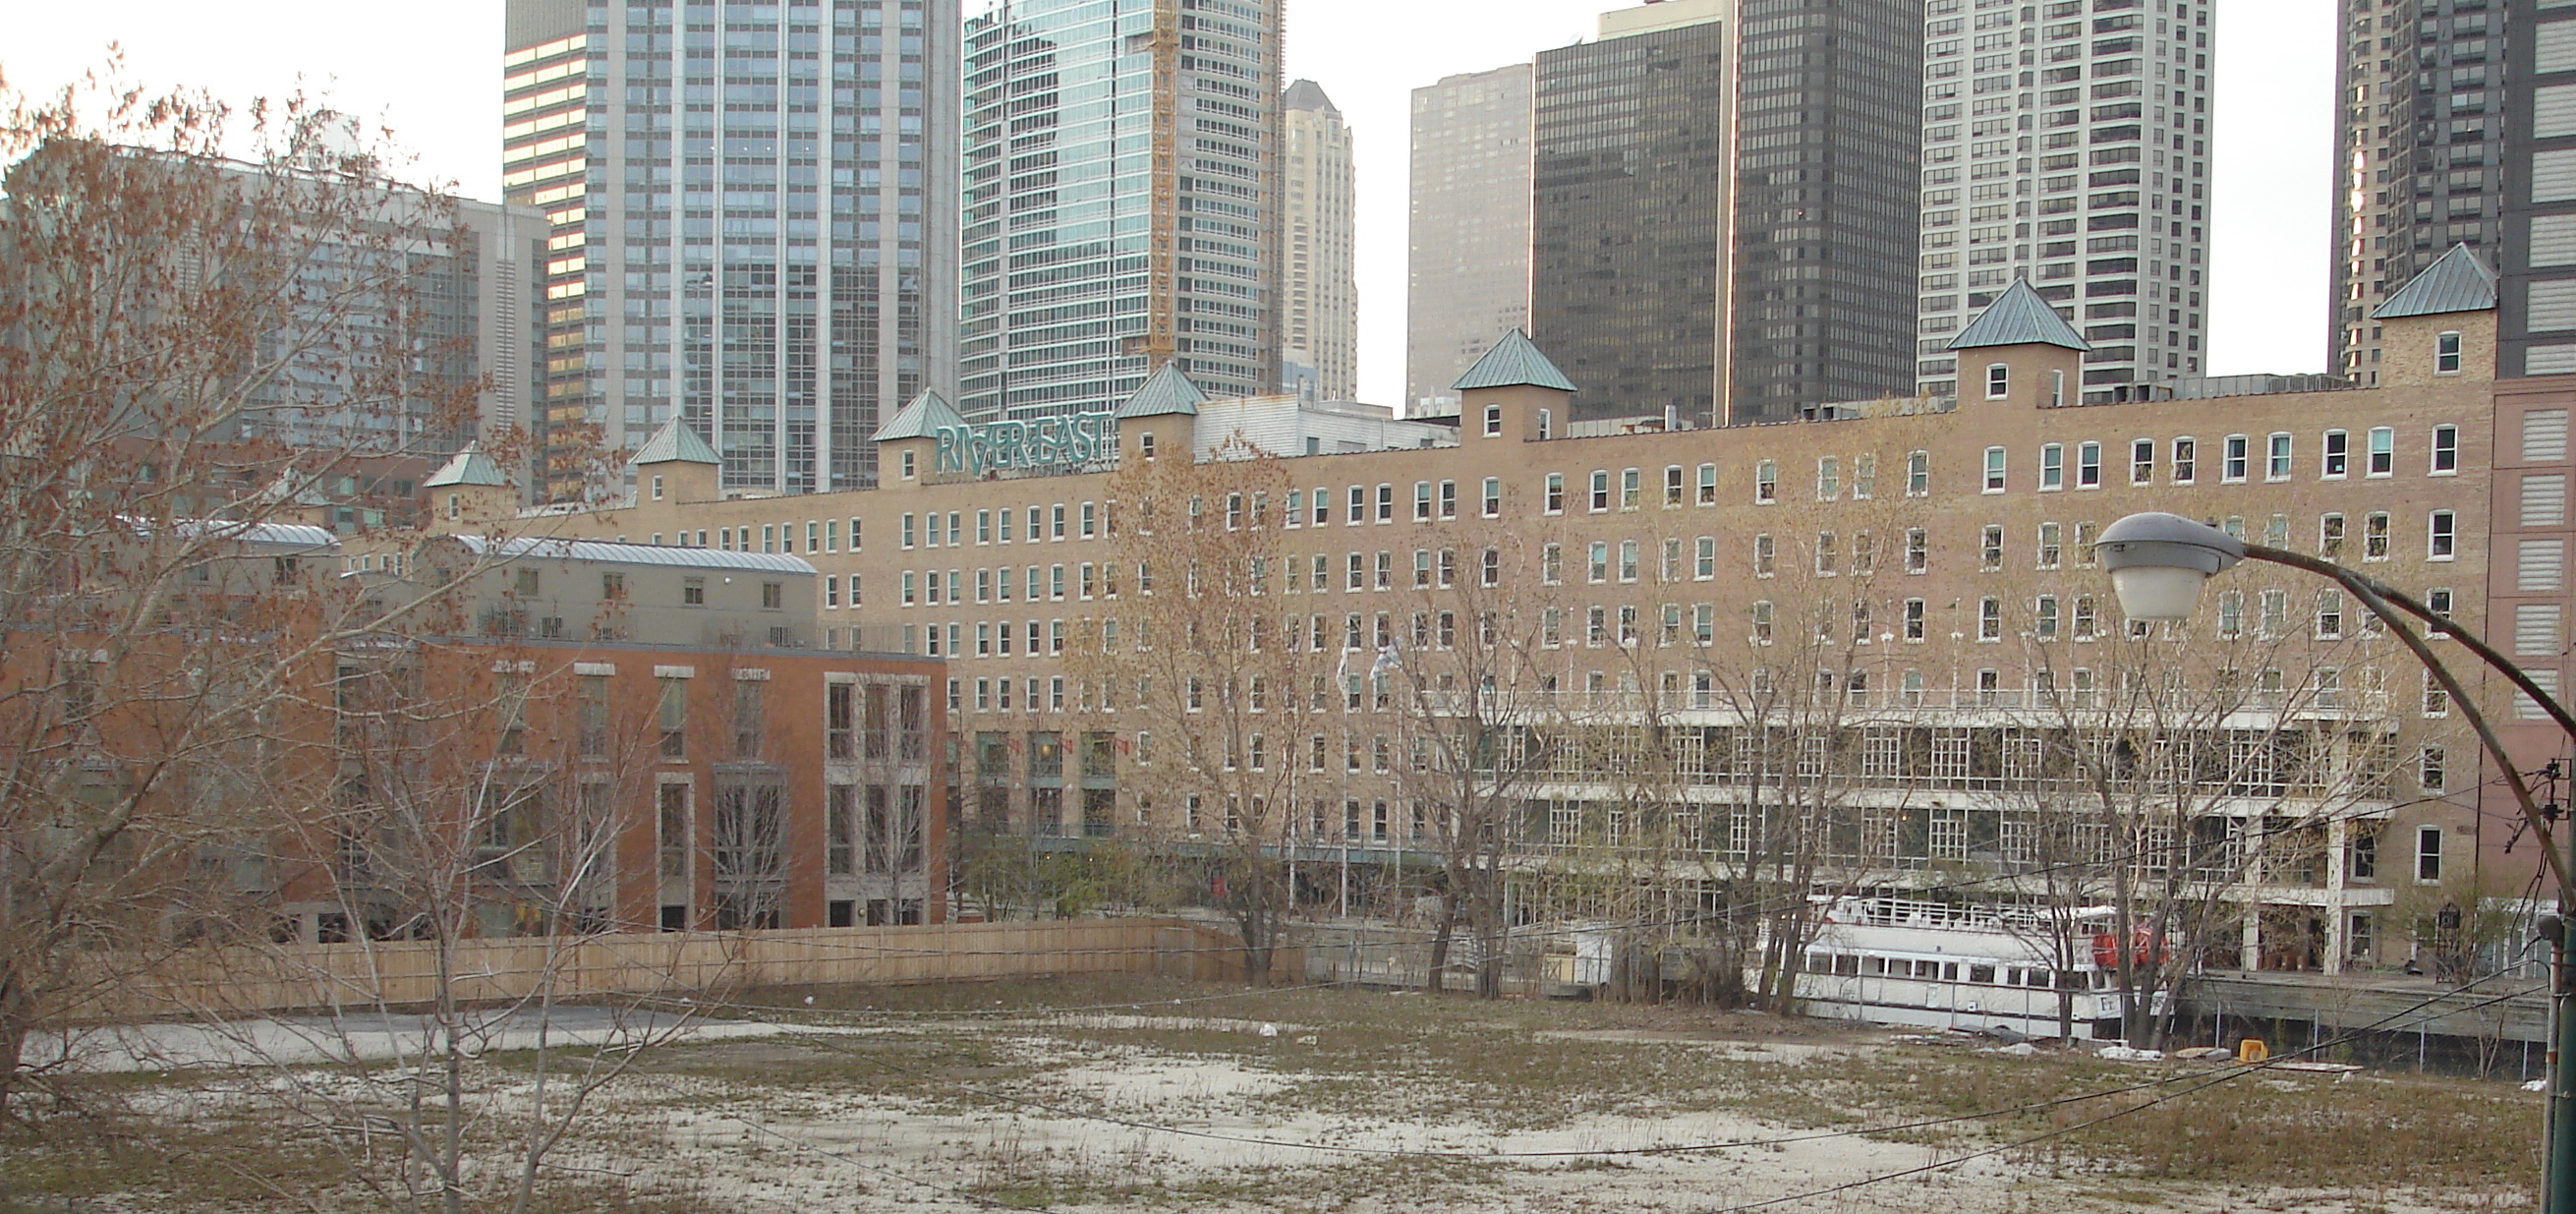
(1121, 201)
(751, 224)
(1723, 208)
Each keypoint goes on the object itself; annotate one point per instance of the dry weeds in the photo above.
(957, 1096)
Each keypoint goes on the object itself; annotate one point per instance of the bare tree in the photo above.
(1481, 722)
(2169, 776)
(1211, 676)
(191, 350)
(473, 792)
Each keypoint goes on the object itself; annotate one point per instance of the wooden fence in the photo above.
(404, 973)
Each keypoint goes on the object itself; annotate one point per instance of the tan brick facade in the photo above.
(1953, 544)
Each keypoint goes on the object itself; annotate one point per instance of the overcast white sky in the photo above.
(431, 73)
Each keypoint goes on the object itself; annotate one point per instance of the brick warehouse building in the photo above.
(1926, 561)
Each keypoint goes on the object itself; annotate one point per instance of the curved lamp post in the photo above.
(2158, 564)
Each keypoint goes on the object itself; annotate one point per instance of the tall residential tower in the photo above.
(1121, 202)
(2068, 143)
(1467, 241)
(751, 224)
(1320, 332)
(2419, 152)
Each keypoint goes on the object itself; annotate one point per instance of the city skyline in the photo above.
(2271, 240)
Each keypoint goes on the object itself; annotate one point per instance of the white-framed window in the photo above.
(2446, 354)
(2142, 461)
(2088, 466)
(1708, 484)
(2441, 535)
(1994, 469)
(1918, 474)
(2338, 455)
(2383, 452)
(2277, 463)
(2446, 450)
(1493, 421)
(2428, 854)
(2232, 459)
(2186, 462)
(2052, 466)
(1493, 498)
(1998, 381)
(1766, 482)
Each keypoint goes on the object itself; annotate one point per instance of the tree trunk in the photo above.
(1432, 979)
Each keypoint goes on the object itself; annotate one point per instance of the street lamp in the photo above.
(2158, 563)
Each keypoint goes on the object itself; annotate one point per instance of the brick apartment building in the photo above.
(1924, 564)
(568, 736)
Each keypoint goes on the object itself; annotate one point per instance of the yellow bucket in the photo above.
(2252, 1050)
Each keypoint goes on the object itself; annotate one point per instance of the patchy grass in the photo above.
(896, 1099)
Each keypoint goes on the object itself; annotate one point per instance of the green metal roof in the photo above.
(2019, 317)
(675, 442)
(2455, 282)
(1165, 393)
(469, 467)
(920, 419)
(1514, 362)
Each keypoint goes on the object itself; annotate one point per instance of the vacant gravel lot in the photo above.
(1146, 1095)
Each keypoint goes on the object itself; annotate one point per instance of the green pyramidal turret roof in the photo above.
(2019, 317)
(470, 467)
(1165, 393)
(923, 418)
(1514, 362)
(675, 442)
(2455, 282)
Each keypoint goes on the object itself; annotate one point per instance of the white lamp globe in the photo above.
(2158, 562)
(2152, 592)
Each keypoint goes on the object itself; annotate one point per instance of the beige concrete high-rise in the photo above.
(1319, 278)
(1468, 236)
(2070, 147)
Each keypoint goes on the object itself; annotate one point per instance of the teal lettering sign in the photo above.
(1047, 442)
